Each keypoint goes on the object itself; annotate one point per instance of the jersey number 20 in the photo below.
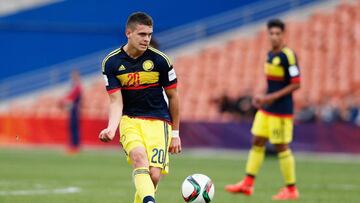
(158, 156)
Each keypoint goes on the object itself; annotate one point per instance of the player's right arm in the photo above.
(116, 102)
(261, 100)
(115, 113)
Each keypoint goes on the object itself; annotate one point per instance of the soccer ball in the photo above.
(198, 188)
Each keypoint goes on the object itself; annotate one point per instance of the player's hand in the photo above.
(261, 100)
(106, 135)
(175, 145)
(256, 101)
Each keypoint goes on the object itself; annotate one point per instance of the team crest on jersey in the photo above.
(148, 65)
(122, 67)
(276, 61)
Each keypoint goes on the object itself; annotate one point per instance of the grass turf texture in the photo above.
(37, 176)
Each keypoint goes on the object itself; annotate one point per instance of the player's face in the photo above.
(139, 37)
(276, 36)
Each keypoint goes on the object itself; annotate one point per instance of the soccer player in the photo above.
(72, 103)
(273, 121)
(136, 76)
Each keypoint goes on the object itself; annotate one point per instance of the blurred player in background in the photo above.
(72, 102)
(136, 76)
(274, 119)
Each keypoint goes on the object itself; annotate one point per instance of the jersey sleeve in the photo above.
(168, 79)
(291, 66)
(111, 82)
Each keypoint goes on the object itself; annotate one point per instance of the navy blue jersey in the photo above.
(281, 69)
(141, 81)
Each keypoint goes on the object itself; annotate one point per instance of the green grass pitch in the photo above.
(94, 176)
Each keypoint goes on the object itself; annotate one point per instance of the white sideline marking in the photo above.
(67, 190)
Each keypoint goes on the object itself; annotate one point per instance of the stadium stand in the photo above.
(70, 32)
(328, 68)
(75, 34)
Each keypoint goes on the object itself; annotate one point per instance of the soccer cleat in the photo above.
(241, 187)
(287, 194)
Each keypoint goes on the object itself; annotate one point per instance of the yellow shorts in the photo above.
(278, 129)
(153, 135)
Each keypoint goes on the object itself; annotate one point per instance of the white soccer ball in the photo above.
(198, 188)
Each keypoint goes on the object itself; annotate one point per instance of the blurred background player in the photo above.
(72, 102)
(135, 76)
(273, 121)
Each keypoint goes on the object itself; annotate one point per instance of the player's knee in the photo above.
(259, 141)
(155, 174)
(139, 158)
(281, 147)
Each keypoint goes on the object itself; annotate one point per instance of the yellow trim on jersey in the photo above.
(290, 56)
(138, 78)
(161, 54)
(274, 70)
(116, 51)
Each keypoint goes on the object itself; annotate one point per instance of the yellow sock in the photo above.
(137, 198)
(287, 166)
(145, 190)
(255, 160)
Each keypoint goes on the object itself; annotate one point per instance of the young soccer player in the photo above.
(136, 76)
(273, 121)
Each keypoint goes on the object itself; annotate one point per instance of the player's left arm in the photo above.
(168, 81)
(173, 97)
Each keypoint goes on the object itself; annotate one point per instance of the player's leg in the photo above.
(156, 135)
(74, 132)
(155, 174)
(280, 137)
(255, 157)
(132, 141)
(287, 163)
(144, 186)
